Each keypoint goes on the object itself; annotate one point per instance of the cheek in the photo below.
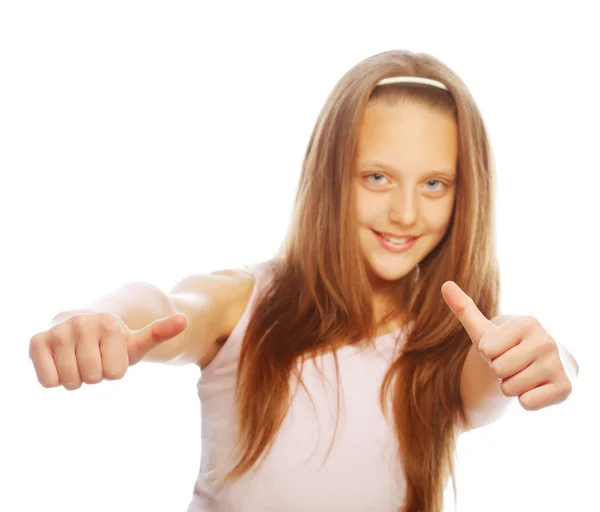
(439, 219)
(367, 206)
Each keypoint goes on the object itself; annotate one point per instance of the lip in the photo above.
(396, 236)
(389, 246)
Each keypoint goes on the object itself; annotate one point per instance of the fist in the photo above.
(92, 347)
(520, 353)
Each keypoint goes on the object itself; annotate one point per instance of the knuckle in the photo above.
(62, 341)
(60, 336)
(92, 378)
(58, 331)
(89, 362)
(567, 387)
(549, 366)
(90, 374)
(544, 346)
(485, 353)
(48, 382)
(108, 321)
(554, 366)
(78, 326)
(115, 372)
(483, 345)
(528, 404)
(72, 385)
(550, 346)
(496, 368)
(507, 388)
(35, 340)
(81, 324)
(36, 346)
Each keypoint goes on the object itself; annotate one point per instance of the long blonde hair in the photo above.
(320, 292)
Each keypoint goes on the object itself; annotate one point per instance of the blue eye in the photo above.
(439, 182)
(375, 174)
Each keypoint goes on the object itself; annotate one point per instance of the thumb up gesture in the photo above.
(92, 347)
(520, 352)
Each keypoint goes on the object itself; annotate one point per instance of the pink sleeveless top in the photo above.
(361, 472)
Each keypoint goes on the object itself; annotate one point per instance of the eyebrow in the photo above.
(450, 173)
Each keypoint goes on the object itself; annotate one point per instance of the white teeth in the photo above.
(396, 240)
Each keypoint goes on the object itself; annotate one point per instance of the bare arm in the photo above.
(211, 303)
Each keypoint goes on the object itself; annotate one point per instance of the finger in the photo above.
(66, 365)
(504, 337)
(114, 356)
(512, 361)
(44, 365)
(542, 396)
(473, 320)
(524, 381)
(142, 341)
(89, 361)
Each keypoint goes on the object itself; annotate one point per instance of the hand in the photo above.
(96, 346)
(520, 353)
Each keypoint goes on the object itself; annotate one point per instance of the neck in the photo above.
(389, 311)
(389, 300)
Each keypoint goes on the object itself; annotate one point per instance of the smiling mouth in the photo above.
(395, 244)
(396, 239)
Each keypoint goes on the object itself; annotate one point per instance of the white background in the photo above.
(150, 140)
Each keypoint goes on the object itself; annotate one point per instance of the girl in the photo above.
(338, 375)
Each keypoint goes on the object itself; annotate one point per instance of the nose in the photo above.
(404, 206)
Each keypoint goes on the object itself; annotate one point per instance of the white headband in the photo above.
(412, 80)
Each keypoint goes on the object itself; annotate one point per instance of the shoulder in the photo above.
(213, 303)
(233, 290)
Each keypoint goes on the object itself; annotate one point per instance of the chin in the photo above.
(390, 268)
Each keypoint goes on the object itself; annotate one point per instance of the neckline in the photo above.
(402, 329)
(389, 333)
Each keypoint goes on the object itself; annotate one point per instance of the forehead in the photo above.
(408, 136)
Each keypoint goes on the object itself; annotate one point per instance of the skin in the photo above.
(404, 184)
